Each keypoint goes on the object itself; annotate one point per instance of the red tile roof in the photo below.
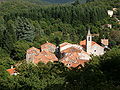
(12, 71)
(45, 57)
(74, 63)
(73, 60)
(74, 54)
(48, 47)
(83, 43)
(64, 44)
(33, 50)
(71, 50)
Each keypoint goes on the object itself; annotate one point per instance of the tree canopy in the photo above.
(25, 23)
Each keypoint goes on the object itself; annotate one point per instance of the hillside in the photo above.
(59, 1)
(32, 23)
(44, 2)
(41, 2)
(64, 1)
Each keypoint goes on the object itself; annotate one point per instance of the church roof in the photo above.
(83, 43)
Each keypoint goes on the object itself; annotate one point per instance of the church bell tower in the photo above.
(89, 42)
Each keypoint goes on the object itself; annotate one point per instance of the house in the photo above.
(66, 45)
(48, 47)
(35, 56)
(81, 53)
(73, 60)
(115, 9)
(110, 13)
(107, 26)
(12, 71)
(31, 53)
(45, 57)
(73, 55)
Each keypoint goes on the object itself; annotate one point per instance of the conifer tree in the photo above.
(25, 29)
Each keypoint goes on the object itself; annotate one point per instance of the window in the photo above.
(88, 38)
(67, 65)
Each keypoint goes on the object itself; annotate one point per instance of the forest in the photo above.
(24, 24)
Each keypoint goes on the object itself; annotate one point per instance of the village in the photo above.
(71, 55)
(60, 45)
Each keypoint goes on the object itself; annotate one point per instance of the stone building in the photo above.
(110, 13)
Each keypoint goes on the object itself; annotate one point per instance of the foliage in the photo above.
(100, 73)
(5, 59)
(20, 48)
(24, 24)
(115, 37)
(3, 72)
(21, 20)
(58, 1)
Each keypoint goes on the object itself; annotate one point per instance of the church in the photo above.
(92, 47)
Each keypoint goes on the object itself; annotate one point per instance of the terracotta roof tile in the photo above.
(70, 50)
(73, 60)
(64, 44)
(83, 43)
(74, 63)
(48, 47)
(33, 50)
(45, 56)
(11, 71)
